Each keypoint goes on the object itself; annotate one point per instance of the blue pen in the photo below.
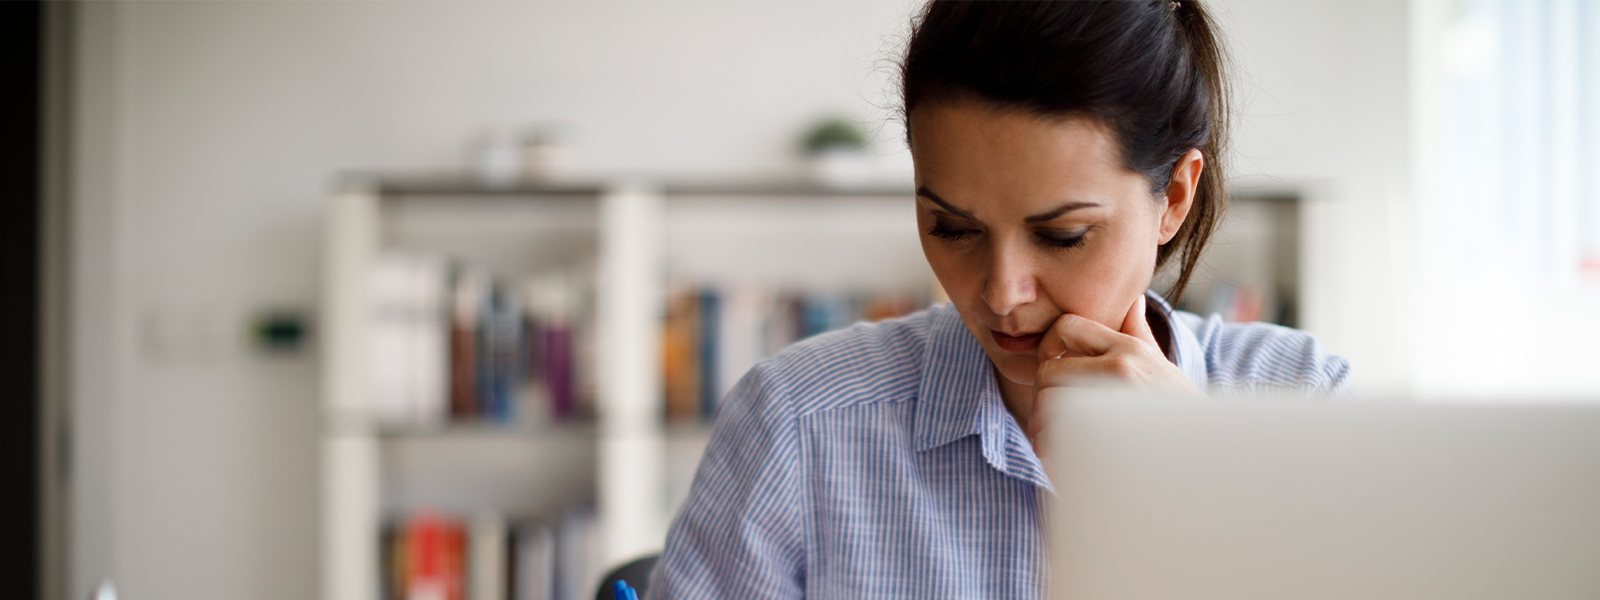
(622, 592)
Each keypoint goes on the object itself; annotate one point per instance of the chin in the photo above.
(1020, 370)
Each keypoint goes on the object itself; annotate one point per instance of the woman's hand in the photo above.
(1079, 352)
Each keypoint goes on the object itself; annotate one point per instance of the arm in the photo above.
(1252, 358)
(740, 535)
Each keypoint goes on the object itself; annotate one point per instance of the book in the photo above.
(577, 565)
(487, 559)
(432, 559)
(534, 557)
(408, 369)
(713, 335)
(550, 307)
(390, 307)
(502, 366)
(453, 343)
(709, 321)
(470, 289)
(432, 556)
(681, 355)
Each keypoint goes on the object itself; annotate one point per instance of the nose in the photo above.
(1012, 281)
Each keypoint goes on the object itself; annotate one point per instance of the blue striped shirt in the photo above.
(880, 462)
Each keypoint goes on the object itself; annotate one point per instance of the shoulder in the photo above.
(1263, 356)
(864, 363)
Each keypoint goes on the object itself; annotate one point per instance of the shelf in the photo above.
(458, 471)
(1253, 259)
(463, 185)
(778, 188)
(489, 430)
(455, 183)
(621, 245)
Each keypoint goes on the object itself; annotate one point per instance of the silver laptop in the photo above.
(1312, 499)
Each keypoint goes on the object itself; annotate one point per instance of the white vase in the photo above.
(841, 168)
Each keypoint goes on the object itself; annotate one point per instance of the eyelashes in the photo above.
(1056, 238)
(1049, 238)
(945, 231)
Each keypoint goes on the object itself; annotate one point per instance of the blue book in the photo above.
(710, 318)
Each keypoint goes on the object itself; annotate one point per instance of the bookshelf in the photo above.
(1252, 267)
(631, 245)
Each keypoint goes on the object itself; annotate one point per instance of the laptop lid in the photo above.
(1313, 499)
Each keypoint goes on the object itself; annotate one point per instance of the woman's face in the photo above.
(1024, 219)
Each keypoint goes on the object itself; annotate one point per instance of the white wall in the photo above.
(224, 124)
(1322, 92)
(216, 127)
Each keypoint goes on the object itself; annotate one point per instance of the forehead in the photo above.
(995, 160)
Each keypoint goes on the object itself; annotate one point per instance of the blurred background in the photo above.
(353, 299)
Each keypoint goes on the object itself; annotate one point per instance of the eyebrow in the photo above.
(1058, 211)
(1039, 218)
(927, 193)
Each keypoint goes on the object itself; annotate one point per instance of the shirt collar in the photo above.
(1186, 350)
(957, 383)
(958, 396)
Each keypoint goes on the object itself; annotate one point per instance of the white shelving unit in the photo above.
(1258, 246)
(638, 237)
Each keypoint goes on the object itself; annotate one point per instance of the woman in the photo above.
(1064, 151)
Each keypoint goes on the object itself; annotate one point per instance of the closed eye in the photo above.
(946, 229)
(1061, 238)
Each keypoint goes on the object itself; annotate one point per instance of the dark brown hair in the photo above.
(1152, 71)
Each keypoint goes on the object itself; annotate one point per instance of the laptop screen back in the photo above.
(1314, 499)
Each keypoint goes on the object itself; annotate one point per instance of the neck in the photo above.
(1017, 397)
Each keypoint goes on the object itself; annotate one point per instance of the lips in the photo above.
(1017, 343)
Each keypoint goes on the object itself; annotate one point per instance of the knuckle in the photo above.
(1124, 365)
(1060, 372)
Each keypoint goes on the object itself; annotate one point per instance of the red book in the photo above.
(468, 295)
(435, 552)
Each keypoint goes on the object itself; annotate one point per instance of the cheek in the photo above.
(1101, 280)
(957, 272)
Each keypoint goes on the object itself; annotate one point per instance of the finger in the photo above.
(1072, 335)
(1070, 372)
(1085, 371)
(1137, 324)
(1112, 370)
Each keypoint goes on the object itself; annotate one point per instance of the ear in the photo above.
(1180, 192)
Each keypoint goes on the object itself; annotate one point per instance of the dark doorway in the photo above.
(21, 26)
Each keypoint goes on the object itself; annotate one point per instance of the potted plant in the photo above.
(835, 151)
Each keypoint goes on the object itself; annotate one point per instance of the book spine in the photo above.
(430, 332)
(426, 572)
(483, 405)
(504, 356)
(535, 563)
(466, 306)
(681, 356)
(486, 559)
(712, 337)
(710, 319)
(739, 337)
(387, 369)
(558, 372)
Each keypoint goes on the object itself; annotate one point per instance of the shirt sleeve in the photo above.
(739, 534)
(1251, 358)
